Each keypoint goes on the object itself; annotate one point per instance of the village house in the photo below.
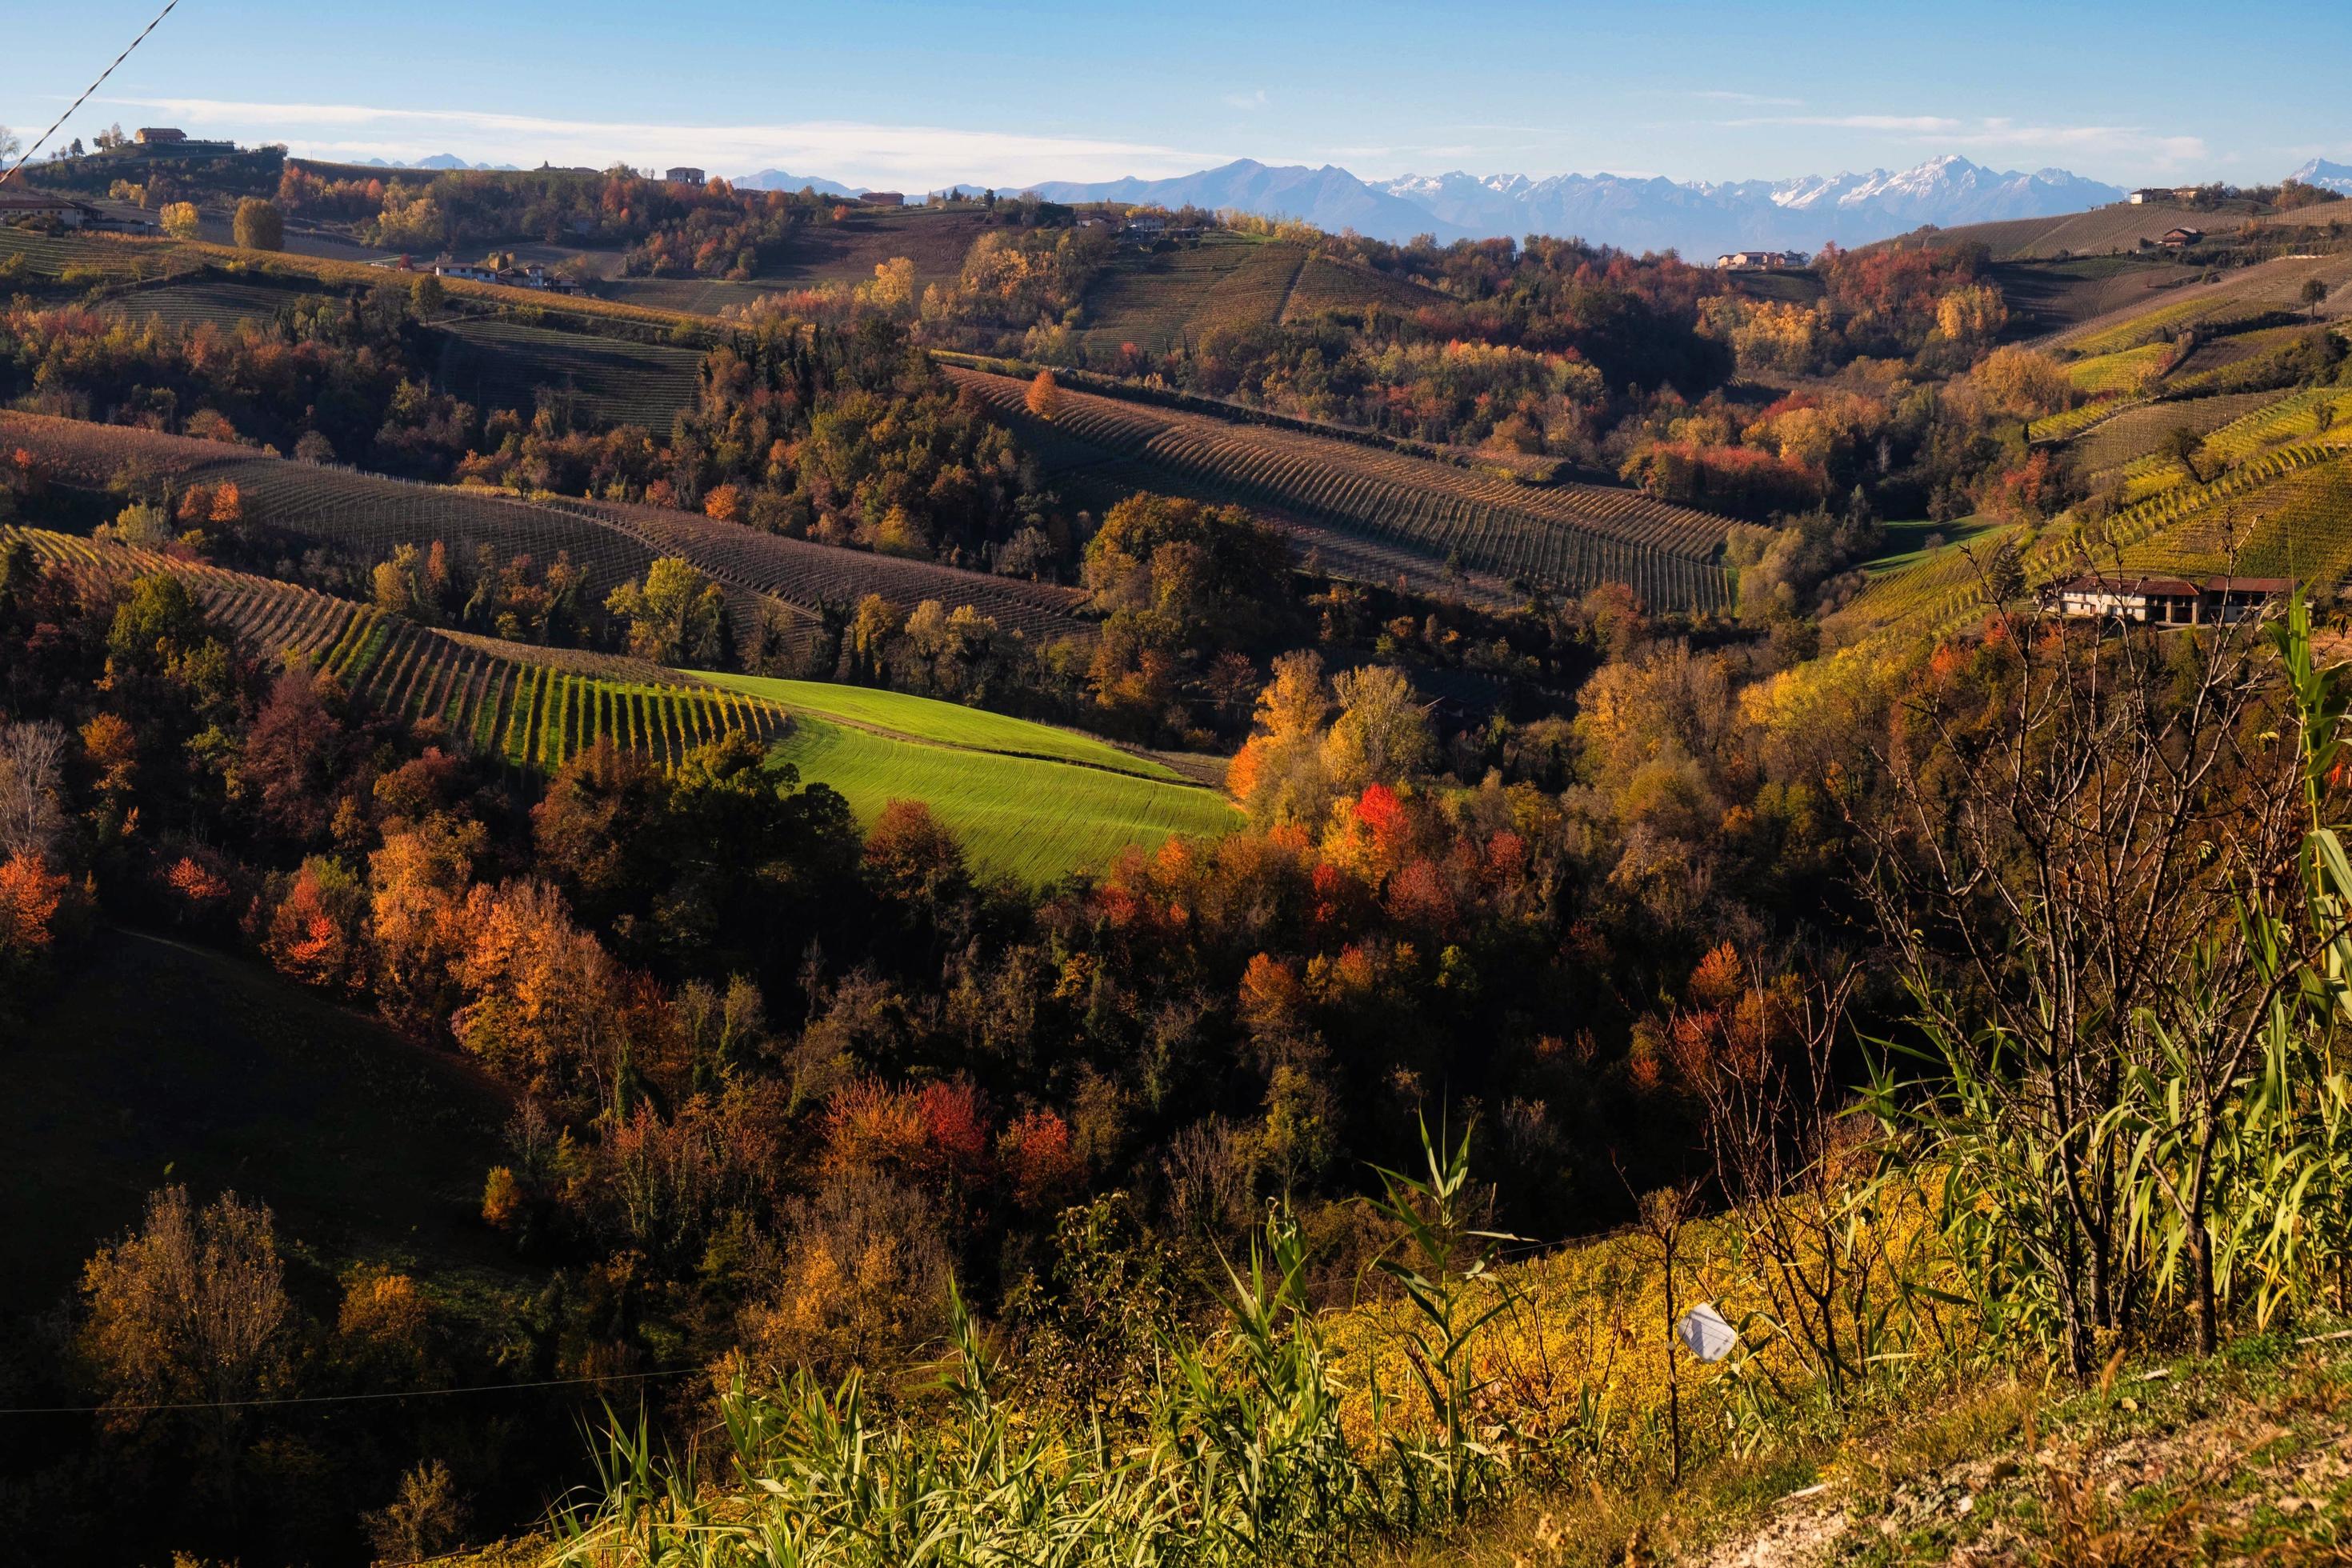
(1146, 224)
(22, 202)
(2180, 238)
(531, 274)
(1759, 260)
(2164, 601)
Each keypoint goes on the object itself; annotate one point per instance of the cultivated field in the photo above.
(204, 298)
(1569, 537)
(494, 363)
(2240, 294)
(1019, 816)
(1161, 300)
(88, 259)
(942, 723)
(532, 707)
(367, 516)
(2286, 512)
(2046, 297)
(2119, 229)
(935, 240)
(1323, 284)
(2136, 432)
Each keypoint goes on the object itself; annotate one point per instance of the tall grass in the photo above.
(1245, 1458)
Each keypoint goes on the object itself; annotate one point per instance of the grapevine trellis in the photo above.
(1569, 537)
(532, 707)
(368, 515)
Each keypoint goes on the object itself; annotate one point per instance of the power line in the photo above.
(347, 1398)
(93, 87)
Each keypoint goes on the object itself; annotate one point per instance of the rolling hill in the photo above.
(366, 516)
(1370, 511)
(531, 706)
(1024, 799)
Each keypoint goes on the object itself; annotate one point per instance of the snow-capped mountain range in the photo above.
(2327, 175)
(1697, 218)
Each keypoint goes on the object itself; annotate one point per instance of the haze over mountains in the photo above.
(1698, 218)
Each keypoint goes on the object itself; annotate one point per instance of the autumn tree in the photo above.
(1382, 735)
(182, 221)
(258, 226)
(1043, 398)
(677, 616)
(190, 1308)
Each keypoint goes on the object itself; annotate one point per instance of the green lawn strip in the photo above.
(1907, 542)
(946, 723)
(1025, 817)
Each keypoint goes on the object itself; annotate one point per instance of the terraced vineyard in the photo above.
(90, 258)
(2246, 292)
(2288, 512)
(806, 575)
(2298, 524)
(493, 363)
(2119, 371)
(532, 707)
(2137, 431)
(1159, 300)
(1323, 284)
(205, 299)
(367, 516)
(1569, 537)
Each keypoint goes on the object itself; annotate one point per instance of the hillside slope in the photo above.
(1407, 515)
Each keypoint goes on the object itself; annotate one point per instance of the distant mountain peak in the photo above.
(1700, 218)
(2327, 175)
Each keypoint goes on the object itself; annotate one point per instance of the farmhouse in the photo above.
(686, 174)
(1759, 260)
(18, 201)
(2164, 601)
(2180, 238)
(1148, 223)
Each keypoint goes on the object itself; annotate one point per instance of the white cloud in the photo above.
(909, 156)
(1248, 99)
(1918, 122)
(1755, 100)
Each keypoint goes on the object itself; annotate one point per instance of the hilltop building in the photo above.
(2164, 601)
(686, 174)
(1759, 260)
(158, 135)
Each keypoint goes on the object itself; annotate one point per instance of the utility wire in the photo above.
(347, 1398)
(93, 87)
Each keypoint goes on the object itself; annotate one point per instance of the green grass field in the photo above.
(1024, 799)
(942, 723)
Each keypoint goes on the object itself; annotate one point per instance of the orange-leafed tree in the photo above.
(1043, 398)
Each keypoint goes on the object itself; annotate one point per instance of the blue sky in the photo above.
(912, 95)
